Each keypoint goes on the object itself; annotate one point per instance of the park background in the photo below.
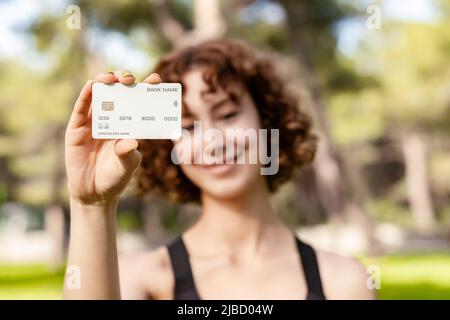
(374, 75)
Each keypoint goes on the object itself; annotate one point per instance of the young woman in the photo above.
(239, 248)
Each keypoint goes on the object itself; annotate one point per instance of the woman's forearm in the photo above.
(92, 262)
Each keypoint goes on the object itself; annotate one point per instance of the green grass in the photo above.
(425, 276)
(29, 282)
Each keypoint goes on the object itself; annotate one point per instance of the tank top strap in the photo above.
(310, 270)
(184, 281)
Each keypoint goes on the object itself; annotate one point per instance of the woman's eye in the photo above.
(189, 127)
(228, 115)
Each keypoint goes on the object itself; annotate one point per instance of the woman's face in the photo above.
(209, 125)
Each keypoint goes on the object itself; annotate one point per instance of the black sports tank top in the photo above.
(184, 281)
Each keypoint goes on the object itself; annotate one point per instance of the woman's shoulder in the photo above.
(343, 277)
(146, 274)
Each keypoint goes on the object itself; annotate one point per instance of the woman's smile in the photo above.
(227, 164)
(219, 169)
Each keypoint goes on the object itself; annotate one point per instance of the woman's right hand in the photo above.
(98, 170)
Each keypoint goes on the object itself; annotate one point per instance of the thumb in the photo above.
(126, 151)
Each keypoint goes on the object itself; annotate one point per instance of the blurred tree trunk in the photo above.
(54, 212)
(208, 23)
(208, 20)
(7, 178)
(334, 189)
(418, 188)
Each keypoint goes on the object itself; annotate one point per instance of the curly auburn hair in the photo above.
(226, 62)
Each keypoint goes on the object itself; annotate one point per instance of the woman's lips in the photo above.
(224, 167)
(219, 169)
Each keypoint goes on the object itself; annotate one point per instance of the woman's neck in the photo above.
(238, 224)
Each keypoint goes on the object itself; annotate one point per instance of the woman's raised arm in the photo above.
(98, 172)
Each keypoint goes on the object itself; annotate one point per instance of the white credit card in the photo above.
(138, 111)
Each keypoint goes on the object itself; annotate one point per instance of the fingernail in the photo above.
(124, 74)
